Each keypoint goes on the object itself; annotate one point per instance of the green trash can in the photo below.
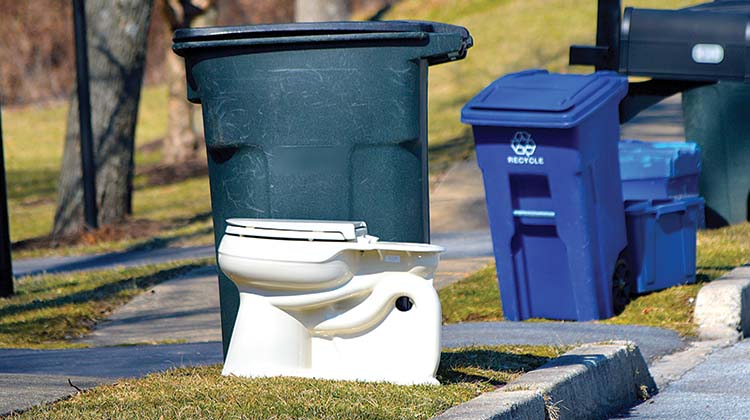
(717, 117)
(317, 121)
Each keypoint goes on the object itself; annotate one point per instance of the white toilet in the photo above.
(326, 300)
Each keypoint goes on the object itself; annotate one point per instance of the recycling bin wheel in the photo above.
(622, 283)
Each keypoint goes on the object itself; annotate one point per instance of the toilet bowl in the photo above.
(326, 300)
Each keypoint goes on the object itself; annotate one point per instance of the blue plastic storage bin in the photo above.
(662, 241)
(547, 147)
(659, 171)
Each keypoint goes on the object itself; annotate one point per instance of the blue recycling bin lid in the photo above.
(537, 98)
(648, 160)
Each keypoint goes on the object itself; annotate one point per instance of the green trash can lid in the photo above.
(311, 29)
(303, 35)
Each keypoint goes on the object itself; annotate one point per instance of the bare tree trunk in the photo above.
(184, 128)
(117, 33)
(321, 10)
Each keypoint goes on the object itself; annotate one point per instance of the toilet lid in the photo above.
(309, 230)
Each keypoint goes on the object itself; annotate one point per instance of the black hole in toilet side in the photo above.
(404, 304)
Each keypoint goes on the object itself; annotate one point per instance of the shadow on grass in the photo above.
(702, 278)
(160, 235)
(200, 217)
(485, 365)
(24, 183)
(99, 293)
(169, 239)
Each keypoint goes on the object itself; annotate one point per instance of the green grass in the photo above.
(477, 297)
(33, 141)
(50, 310)
(33, 148)
(202, 393)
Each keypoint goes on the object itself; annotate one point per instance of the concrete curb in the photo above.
(722, 308)
(589, 382)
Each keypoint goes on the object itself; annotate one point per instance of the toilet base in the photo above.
(402, 348)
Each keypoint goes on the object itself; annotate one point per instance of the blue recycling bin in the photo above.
(659, 170)
(662, 241)
(547, 147)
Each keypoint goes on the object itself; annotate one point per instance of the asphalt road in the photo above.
(653, 342)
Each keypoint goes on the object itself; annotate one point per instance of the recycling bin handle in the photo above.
(534, 214)
(671, 208)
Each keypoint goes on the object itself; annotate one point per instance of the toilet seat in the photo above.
(310, 230)
(273, 239)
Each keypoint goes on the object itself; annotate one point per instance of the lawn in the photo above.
(202, 393)
(509, 35)
(50, 310)
(477, 297)
(176, 212)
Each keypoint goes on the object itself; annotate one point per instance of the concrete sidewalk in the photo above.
(661, 122)
(715, 389)
(184, 309)
(457, 202)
